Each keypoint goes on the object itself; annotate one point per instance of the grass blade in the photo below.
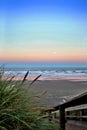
(35, 79)
(24, 79)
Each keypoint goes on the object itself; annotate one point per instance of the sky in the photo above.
(43, 30)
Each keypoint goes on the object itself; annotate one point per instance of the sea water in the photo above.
(47, 70)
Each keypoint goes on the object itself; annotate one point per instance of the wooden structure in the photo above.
(79, 100)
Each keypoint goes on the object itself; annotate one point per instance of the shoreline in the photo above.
(48, 78)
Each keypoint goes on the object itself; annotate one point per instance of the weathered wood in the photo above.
(79, 100)
(55, 115)
(67, 113)
(62, 118)
(82, 112)
(73, 116)
(50, 116)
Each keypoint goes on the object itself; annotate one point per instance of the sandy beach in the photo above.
(57, 91)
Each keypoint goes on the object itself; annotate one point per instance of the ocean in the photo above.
(47, 70)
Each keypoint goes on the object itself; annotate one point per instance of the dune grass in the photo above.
(18, 110)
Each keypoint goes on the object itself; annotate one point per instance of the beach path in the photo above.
(75, 127)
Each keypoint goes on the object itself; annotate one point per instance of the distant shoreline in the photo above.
(48, 78)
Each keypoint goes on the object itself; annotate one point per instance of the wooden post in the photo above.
(81, 113)
(54, 115)
(62, 118)
(67, 113)
(50, 116)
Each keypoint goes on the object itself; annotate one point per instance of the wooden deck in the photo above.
(74, 126)
(64, 110)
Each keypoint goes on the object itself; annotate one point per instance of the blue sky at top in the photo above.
(46, 27)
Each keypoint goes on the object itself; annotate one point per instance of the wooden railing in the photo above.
(64, 113)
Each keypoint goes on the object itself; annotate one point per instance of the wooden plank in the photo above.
(76, 116)
(80, 107)
(81, 99)
(62, 118)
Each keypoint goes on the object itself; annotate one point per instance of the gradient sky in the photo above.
(43, 30)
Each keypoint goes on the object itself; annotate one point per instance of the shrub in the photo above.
(18, 110)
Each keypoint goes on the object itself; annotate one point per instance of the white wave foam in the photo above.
(52, 74)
